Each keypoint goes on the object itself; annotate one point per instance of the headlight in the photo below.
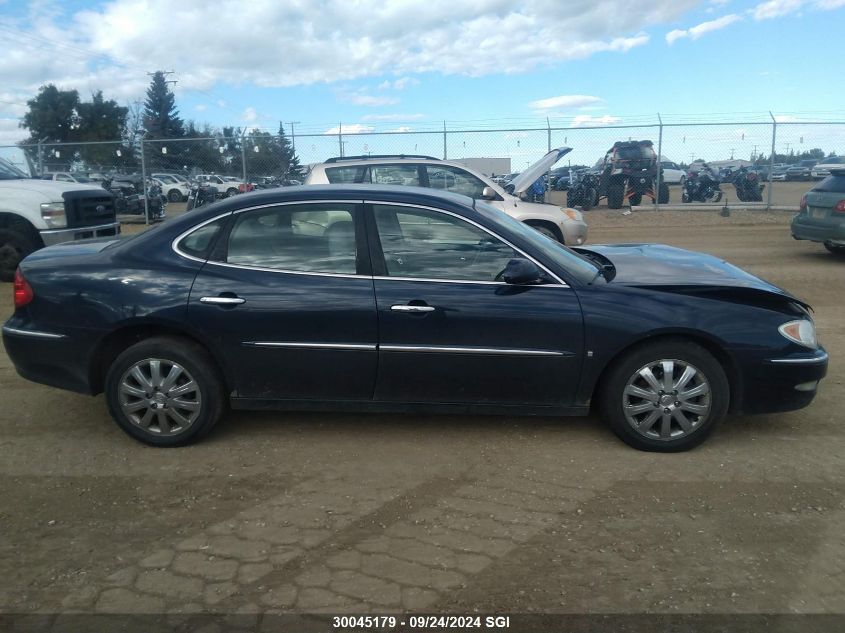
(572, 214)
(802, 332)
(53, 214)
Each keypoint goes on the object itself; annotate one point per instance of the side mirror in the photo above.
(488, 193)
(521, 271)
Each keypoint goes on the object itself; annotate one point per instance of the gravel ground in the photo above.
(367, 513)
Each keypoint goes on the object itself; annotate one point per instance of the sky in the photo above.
(410, 65)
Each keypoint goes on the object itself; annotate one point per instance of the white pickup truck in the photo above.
(36, 213)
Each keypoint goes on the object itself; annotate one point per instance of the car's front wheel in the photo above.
(665, 396)
(164, 391)
(15, 244)
(174, 195)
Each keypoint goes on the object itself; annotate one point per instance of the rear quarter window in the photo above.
(832, 183)
(346, 175)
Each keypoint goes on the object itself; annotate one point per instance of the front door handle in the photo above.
(408, 308)
(223, 301)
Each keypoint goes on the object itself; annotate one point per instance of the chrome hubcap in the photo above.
(160, 396)
(666, 399)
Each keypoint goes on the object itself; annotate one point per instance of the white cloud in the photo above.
(776, 8)
(363, 99)
(200, 107)
(779, 8)
(354, 128)
(701, 29)
(393, 117)
(10, 132)
(564, 101)
(587, 119)
(249, 115)
(300, 42)
(401, 128)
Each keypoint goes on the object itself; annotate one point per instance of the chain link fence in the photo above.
(260, 160)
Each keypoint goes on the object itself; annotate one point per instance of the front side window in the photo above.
(317, 238)
(448, 178)
(426, 244)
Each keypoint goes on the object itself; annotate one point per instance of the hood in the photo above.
(49, 188)
(655, 265)
(527, 177)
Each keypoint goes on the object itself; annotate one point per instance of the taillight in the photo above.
(22, 289)
(803, 205)
(840, 207)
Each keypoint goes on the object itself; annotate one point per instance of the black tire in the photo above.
(575, 198)
(685, 197)
(663, 193)
(15, 244)
(174, 195)
(835, 249)
(198, 365)
(592, 198)
(545, 230)
(231, 192)
(615, 194)
(612, 395)
(635, 200)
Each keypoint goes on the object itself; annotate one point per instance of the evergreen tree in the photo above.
(290, 161)
(161, 118)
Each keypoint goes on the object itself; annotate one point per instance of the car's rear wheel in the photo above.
(174, 195)
(15, 244)
(665, 397)
(231, 192)
(164, 391)
(836, 249)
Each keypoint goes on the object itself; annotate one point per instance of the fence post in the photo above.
(444, 140)
(243, 157)
(340, 138)
(144, 185)
(40, 158)
(771, 161)
(659, 158)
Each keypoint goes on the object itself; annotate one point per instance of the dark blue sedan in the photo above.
(396, 299)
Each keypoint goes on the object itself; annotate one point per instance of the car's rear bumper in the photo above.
(784, 383)
(48, 357)
(803, 228)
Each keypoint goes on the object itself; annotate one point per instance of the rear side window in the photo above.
(346, 175)
(200, 242)
(315, 238)
(832, 183)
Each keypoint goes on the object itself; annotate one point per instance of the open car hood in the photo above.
(532, 173)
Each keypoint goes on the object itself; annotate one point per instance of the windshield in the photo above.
(579, 267)
(10, 172)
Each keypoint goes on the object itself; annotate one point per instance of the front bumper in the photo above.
(803, 228)
(57, 236)
(574, 232)
(784, 383)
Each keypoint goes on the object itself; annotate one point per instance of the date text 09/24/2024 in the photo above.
(425, 622)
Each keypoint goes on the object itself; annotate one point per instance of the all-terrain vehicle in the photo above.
(626, 174)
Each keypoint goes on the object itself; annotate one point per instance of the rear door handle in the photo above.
(407, 308)
(223, 301)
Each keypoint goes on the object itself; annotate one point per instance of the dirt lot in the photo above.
(352, 513)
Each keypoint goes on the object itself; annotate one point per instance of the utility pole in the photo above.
(732, 152)
(165, 73)
(293, 134)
